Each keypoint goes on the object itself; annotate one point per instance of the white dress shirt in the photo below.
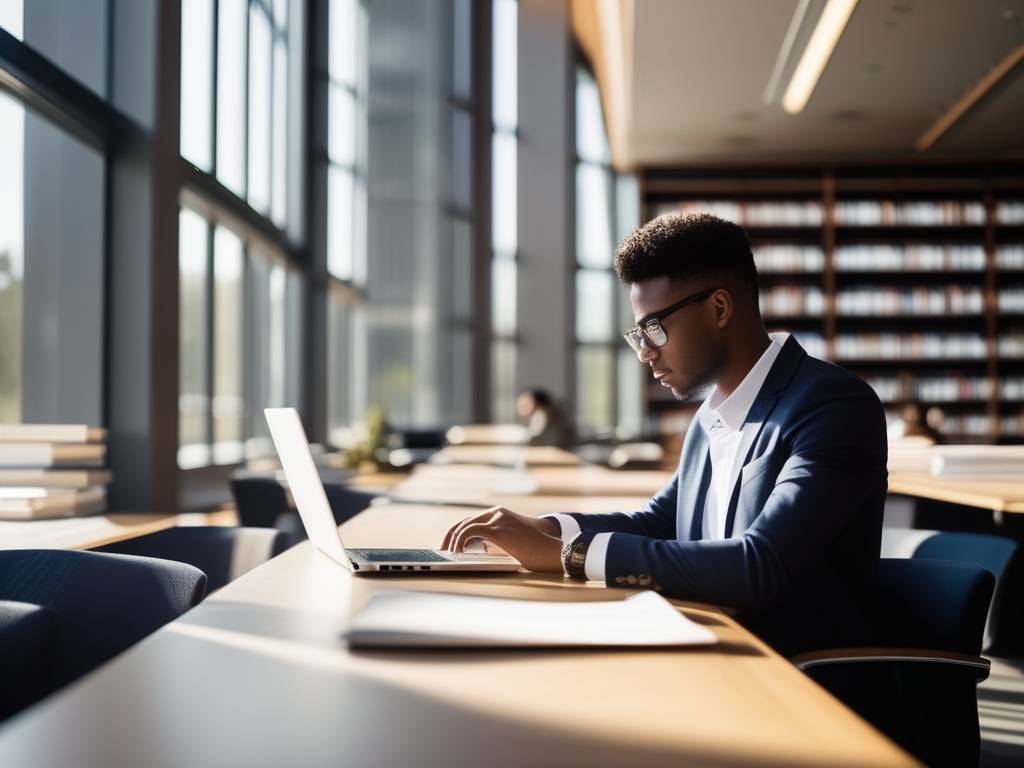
(722, 419)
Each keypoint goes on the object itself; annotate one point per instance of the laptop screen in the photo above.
(304, 482)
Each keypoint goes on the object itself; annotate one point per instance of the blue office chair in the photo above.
(100, 604)
(259, 501)
(918, 684)
(222, 553)
(1004, 628)
(28, 638)
(262, 502)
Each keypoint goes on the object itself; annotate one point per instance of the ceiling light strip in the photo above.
(817, 53)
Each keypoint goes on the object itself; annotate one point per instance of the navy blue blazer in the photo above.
(804, 521)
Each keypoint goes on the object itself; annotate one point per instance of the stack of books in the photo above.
(52, 470)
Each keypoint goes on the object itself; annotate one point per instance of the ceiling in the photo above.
(700, 69)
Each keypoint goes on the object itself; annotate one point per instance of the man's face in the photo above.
(690, 359)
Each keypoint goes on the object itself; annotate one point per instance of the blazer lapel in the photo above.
(778, 379)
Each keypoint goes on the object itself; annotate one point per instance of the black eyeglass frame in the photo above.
(643, 327)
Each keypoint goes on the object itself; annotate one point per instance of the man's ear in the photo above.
(721, 302)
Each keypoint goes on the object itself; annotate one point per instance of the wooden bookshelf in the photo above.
(911, 276)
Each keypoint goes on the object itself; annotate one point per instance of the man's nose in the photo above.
(647, 351)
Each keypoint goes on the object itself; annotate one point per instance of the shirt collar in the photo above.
(732, 410)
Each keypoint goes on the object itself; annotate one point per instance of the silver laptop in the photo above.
(308, 492)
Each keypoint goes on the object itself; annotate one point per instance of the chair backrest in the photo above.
(222, 553)
(103, 603)
(996, 554)
(28, 637)
(346, 502)
(258, 500)
(934, 604)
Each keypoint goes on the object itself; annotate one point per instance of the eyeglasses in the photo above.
(651, 329)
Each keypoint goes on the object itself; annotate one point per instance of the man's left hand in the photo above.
(532, 541)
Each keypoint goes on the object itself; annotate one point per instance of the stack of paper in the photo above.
(426, 620)
(51, 470)
(950, 460)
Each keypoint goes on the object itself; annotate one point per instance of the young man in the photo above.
(776, 506)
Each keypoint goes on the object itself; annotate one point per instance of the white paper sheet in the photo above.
(397, 618)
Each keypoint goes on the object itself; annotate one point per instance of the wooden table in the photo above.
(1000, 495)
(258, 675)
(98, 530)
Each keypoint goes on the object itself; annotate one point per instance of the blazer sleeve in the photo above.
(656, 520)
(837, 458)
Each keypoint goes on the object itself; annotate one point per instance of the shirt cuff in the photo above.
(570, 529)
(597, 553)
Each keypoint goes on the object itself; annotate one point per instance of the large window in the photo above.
(504, 217)
(241, 289)
(234, 121)
(240, 330)
(609, 394)
(51, 271)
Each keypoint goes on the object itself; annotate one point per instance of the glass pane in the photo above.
(193, 402)
(342, 35)
(631, 394)
(503, 195)
(593, 216)
(339, 373)
(279, 193)
(462, 269)
(228, 345)
(339, 223)
(595, 306)
(506, 99)
(281, 14)
(72, 34)
(197, 81)
(627, 206)
(259, 109)
(12, 263)
(591, 141)
(595, 389)
(460, 409)
(462, 49)
(503, 382)
(277, 337)
(231, 62)
(462, 159)
(12, 16)
(341, 125)
(503, 296)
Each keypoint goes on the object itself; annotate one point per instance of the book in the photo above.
(26, 503)
(55, 478)
(51, 433)
(36, 454)
(405, 619)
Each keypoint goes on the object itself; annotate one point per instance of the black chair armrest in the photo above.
(836, 656)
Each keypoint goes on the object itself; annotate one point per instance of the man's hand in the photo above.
(532, 541)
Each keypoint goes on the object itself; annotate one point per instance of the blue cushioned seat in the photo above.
(918, 683)
(222, 553)
(28, 637)
(101, 603)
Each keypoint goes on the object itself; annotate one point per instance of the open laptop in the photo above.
(311, 500)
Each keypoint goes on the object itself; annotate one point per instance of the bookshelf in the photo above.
(911, 276)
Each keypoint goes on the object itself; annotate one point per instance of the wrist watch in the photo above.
(574, 558)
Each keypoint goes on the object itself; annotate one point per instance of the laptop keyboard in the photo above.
(401, 556)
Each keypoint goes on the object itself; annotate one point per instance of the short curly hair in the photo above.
(687, 246)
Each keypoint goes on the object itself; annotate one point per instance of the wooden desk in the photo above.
(509, 455)
(997, 494)
(471, 484)
(98, 530)
(257, 675)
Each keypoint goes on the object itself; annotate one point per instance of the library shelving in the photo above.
(910, 275)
